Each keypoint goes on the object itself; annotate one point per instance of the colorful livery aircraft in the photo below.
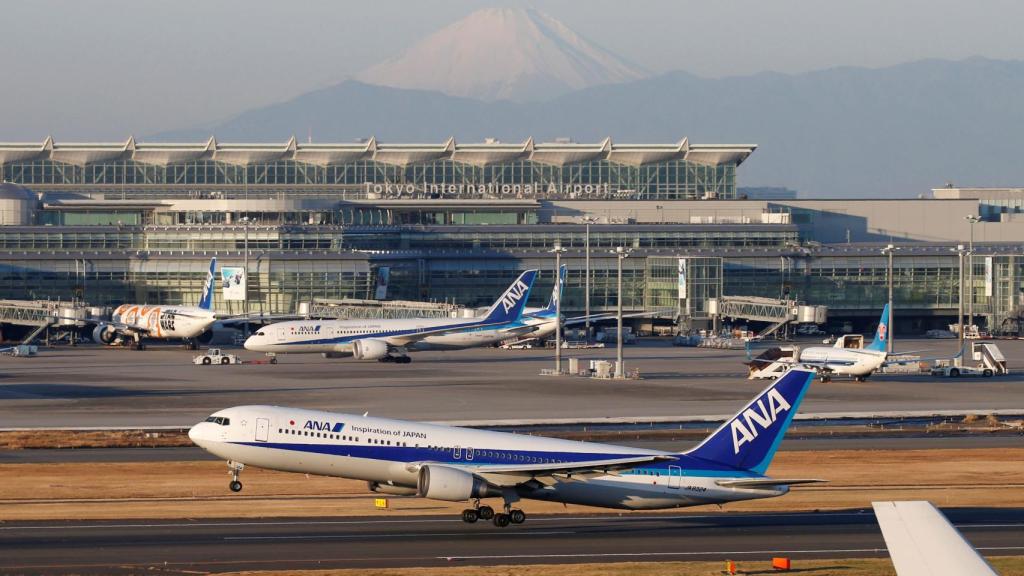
(136, 322)
(390, 340)
(467, 465)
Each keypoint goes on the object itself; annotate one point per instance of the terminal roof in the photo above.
(559, 153)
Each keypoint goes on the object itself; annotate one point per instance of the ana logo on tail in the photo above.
(747, 426)
(513, 294)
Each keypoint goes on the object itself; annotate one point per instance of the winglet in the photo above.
(206, 302)
(509, 306)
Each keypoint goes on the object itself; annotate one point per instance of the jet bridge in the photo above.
(42, 315)
(779, 312)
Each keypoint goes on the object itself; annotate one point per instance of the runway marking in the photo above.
(406, 535)
(703, 553)
(644, 554)
(427, 520)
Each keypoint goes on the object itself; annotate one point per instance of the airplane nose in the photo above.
(195, 433)
(250, 344)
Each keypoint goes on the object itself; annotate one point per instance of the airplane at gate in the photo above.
(138, 321)
(467, 465)
(390, 339)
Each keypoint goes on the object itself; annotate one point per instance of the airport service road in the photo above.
(97, 386)
(281, 544)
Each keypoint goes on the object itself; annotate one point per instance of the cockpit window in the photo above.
(261, 333)
(219, 420)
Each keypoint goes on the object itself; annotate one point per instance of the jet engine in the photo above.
(389, 489)
(369, 349)
(451, 484)
(104, 333)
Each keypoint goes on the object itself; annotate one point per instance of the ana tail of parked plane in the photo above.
(509, 306)
(749, 439)
(206, 302)
(556, 293)
(881, 333)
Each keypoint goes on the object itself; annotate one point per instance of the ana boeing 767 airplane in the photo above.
(467, 465)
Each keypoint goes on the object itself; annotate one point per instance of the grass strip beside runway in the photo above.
(979, 477)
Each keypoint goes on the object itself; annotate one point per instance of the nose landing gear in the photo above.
(235, 468)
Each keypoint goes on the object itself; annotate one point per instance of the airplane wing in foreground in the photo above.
(921, 541)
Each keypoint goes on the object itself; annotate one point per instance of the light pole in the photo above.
(245, 275)
(621, 253)
(586, 283)
(558, 305)
(889, 250)
(970, 266)
(960, 302)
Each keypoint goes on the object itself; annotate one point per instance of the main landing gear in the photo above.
(501, 519)
(395, 359)
(235, 468)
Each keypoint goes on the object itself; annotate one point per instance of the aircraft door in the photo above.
(262, 429)
(281, 333)
(675, 476)
(456, 452)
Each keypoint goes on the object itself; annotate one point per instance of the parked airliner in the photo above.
(390, 340)
(137, 322)
(847, 358)
(467, 465)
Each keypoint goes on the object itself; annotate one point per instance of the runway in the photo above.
(245, 544)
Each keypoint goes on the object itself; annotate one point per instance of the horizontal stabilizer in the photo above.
(767, 482)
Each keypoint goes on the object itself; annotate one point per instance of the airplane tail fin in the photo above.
(509, 306)
(557, 291)
(206, 302)
(748, 440)
(881, 333)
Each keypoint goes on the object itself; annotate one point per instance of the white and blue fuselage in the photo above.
(380, 338)
(460, 464)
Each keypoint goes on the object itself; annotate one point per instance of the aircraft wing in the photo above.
(546, 473)
(611, 315)
(766, 482)
(242, 318)
(406, 339)
(916, 360)
(921, 541)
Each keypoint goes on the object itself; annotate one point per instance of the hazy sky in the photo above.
(104, 69)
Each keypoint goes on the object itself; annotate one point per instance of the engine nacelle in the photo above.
(451, 484)
(389, 489)
(104, 333)
(369, 349)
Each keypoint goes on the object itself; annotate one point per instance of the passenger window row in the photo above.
(341, 437)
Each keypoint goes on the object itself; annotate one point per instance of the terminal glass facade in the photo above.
(596, 179)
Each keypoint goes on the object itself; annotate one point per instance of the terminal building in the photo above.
(137, 222)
